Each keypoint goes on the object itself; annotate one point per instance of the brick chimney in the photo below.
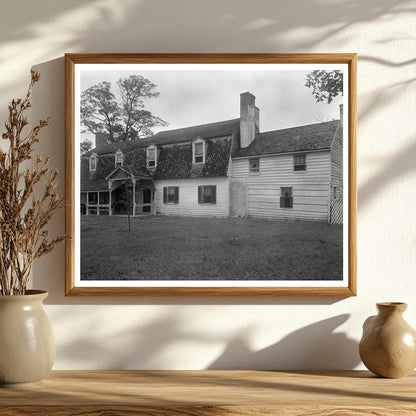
(341, 114)
(101, 139)
(249, 119)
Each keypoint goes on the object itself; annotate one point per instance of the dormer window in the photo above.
(119, 158)
(93, 162)
(198, 151)
(151, 157)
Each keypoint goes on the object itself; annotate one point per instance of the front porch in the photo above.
(132, 197)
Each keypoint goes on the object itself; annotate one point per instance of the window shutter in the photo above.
(176, 195)
(213, 194)
(165, 194)
(199, 194)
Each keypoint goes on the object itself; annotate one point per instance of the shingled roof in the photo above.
(175, 161)
(186, 134)
(134, 163)
(175, 157)
(296, 139)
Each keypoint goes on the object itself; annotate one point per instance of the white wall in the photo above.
(310, 188)
(188, 197)
(195, 333)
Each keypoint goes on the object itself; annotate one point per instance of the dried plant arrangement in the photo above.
(28, 199)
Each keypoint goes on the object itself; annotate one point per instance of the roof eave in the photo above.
(323, 149)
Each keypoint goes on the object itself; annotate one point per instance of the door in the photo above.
(147, 199)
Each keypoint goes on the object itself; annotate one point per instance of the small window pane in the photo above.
(171, 194)
(199, 152)
(254, 165)
(119, 159)
(299, 162)
(207, 194)
(93, 163)
(286, 198)
(151, 157)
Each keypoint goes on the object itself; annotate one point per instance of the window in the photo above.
(198, 151)
(171, 194)
(254, 165)
(151, 157)
(286, 198)
(93, 163)
(92, 198)
(119, 158)
(299, 162)
(104, 198)
(207, 194)
(336, 192)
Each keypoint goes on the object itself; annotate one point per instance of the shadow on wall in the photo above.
(111, 25)
(144, 344)
(398, 165)
(314, 347)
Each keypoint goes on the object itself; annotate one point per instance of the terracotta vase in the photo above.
(388, 345)
(27, 346)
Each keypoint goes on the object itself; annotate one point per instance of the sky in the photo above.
(199, 94)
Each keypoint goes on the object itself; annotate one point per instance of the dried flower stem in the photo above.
(24, 217)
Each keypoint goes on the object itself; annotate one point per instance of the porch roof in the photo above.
(145, 184)
(94, 185)
(98, 185)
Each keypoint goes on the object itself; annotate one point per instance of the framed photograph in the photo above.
(211, 174)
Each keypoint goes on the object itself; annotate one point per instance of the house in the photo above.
(227, 168)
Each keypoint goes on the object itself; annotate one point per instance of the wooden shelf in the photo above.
(211, 393)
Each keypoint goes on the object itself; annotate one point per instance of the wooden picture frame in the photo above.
(159, 185)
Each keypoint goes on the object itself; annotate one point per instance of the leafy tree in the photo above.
(136, 120)
(86, 146)
(326, 85)
(125, 120)
(100, 112)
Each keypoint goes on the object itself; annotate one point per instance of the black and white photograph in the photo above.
(211, 175)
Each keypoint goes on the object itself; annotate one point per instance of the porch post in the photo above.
(134, 197)
(110, 184)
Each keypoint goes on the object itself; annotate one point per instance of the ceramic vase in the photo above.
(388, 345)
(27, 346)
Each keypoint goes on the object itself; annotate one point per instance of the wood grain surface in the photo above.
(203, 393)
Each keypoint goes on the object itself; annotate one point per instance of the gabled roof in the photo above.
(186, 134)
(122, 172)
(296, 139)
(134, 163)
(211, 130)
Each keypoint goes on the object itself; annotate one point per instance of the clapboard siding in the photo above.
(188, 198)
(336, 158)
(310, 188)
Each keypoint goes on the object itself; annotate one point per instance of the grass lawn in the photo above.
(183, 248)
